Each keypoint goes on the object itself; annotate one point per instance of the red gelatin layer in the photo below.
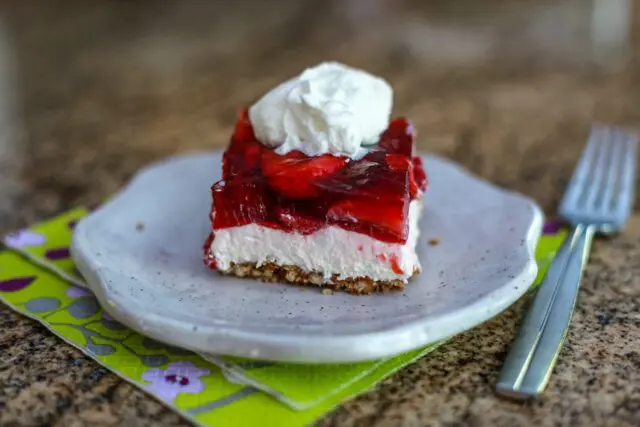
(298, 193)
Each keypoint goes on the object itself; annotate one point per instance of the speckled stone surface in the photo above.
(91, 90)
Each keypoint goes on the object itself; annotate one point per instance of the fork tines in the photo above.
(602, 187)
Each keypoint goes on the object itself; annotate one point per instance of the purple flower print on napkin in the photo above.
(77, 292)
(56, 254)
(24, 239)
(552, 226)
(179, 377)
(15, 284)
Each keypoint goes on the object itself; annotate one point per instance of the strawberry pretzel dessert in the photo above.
(320, 187)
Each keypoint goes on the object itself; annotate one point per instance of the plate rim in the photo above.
(323, 349)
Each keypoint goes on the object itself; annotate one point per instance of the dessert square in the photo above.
(324, 220)
(306, 212)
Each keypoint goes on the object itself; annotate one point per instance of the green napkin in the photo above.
(39, 280)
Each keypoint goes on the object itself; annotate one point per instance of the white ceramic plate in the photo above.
(141, 254)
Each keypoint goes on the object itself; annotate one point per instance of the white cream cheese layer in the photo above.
(329, 251)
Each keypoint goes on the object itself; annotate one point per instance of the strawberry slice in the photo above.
(294, 174)
(401, 163)
(420, 174)
(384, 221)
(243, 153)
(244, 129)
(397, 162)
(241, 157)
(293, 220)
(357, 179)
(239, 202)
(399, 138)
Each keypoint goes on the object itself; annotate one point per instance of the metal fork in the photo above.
(598, 199)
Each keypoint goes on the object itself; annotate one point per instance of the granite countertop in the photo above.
(90, 91)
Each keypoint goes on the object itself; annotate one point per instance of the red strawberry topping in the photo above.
(293, 220)
(379, 220)
(399, 138)
(400, 163)
(294, 174)
(238, 202)
(420, 174)
(244, 130)
(298, 193)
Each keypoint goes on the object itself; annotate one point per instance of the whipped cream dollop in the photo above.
(330, 108)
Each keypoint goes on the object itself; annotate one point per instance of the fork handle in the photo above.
(532, 356)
